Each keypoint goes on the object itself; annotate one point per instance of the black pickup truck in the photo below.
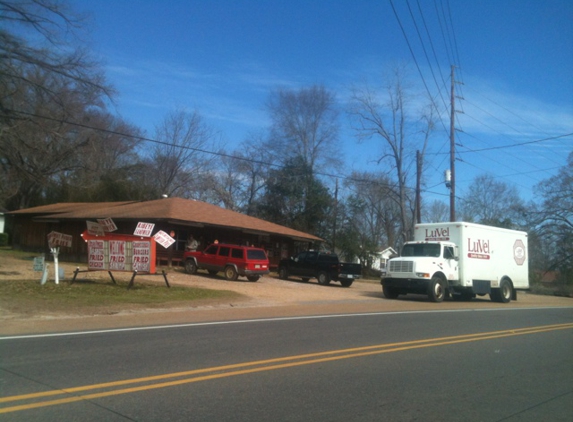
(325, 267)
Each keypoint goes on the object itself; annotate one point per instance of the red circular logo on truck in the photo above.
(519, 252)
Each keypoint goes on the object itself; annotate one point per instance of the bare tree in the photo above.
(51, 26)
(47, 87)
(372, 212)
(304, 125)
(493, 202)
(388, 120)
(436, 212)
(241, 177)
(181, 155)
(43, 140)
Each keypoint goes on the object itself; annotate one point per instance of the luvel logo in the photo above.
(478, 249)
(438, 234)
(519, 254)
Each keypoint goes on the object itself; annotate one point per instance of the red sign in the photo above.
(120, 252)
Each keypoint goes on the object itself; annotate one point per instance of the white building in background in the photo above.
(379, 259)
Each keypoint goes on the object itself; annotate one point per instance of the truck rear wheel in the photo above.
(390, 292)
(346, 283)
(504, 293)
(323, 278)
(436, 289)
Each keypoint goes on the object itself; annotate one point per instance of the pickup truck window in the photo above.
(422, 249)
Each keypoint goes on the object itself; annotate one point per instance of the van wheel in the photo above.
(283, 273)
(190, 266)
(231, 273)
(504, 293)
(389, 292)
(436, 290)
(323, 278)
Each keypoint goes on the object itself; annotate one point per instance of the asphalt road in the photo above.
(443, 365)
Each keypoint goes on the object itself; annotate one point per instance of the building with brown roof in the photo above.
(176, 216)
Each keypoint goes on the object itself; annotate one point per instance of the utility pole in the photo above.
(452, 152)
(418, 187)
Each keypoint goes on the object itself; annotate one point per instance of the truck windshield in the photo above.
(422, 249)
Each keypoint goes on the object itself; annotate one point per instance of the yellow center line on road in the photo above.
(255, 366)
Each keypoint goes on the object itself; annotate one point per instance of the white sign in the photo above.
(96, 256)
(107, 224)
(144, 229)
(59, 239)
(94, 228)
(141, 255)
(117, 255)
(163, 239)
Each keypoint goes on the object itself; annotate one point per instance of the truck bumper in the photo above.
(412, 285)
(348, 276)
(253, 272)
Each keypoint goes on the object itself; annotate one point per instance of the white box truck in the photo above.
(462, 260)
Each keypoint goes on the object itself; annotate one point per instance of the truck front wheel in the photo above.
(390, 292)
(283, 273)
(436, 289)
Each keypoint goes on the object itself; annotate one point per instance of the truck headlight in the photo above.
(423, 275)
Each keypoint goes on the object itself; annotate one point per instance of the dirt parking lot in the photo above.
(269, 297)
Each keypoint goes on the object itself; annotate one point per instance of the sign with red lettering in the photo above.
(107, 224)
(56, 239)
(117, 255)
(478, 248)
(141, 255)
(163, 239)
(144, 229)
(94, 228)
(96, 255)
(438, 234)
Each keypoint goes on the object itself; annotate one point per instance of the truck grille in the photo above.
(401, 266)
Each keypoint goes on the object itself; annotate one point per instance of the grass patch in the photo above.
(87, 295)
(23, 295)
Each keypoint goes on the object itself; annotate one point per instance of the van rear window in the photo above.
(256, 254)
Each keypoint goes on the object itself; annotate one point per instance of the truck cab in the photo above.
(424, 268)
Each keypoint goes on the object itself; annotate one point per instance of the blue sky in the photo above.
(223, 58)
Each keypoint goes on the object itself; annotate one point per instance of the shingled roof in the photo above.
(173, 210)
